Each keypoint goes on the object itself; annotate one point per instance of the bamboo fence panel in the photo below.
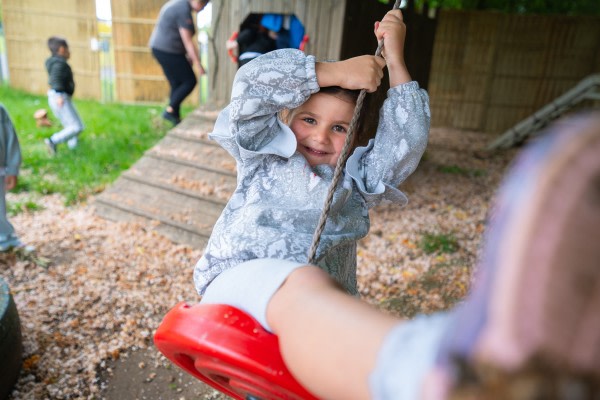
(138, 76)
(29, 23)
(491, 70)
(322, 19)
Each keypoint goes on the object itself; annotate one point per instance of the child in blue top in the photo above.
(10, 161)
(285, 167)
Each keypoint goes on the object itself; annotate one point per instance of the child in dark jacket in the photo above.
(62, 86)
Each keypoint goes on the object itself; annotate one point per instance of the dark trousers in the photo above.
(180, 75)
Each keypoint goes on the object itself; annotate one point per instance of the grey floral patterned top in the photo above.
(279, 198)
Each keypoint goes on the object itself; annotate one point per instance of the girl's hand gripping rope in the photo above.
(357, 73)
(392, 31)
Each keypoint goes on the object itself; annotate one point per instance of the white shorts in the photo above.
(406, 356)
(250, 285)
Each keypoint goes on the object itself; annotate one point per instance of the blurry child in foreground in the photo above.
(10, 161)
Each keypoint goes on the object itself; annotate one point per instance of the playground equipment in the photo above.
(234, 35)
(293, 36)
(11, 347)
(229, 350)
(586, 89)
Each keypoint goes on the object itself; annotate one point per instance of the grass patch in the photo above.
(18, 207)
(456, 170)
(438, 243)
(115, 136)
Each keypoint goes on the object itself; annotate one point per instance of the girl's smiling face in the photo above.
(320, 126)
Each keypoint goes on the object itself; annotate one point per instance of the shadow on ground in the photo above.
(144, 374)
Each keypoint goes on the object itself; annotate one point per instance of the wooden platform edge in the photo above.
(151, 217)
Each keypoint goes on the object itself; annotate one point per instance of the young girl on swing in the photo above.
(285, 166)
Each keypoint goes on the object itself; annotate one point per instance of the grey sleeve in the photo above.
(12, 148)
(395, 152)
(184, 19)
(406, 356)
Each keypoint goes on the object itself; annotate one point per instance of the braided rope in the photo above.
(339, 167)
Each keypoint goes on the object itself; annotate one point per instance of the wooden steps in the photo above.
(180, 185)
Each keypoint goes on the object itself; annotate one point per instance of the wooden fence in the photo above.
(27, 26)
(490, 70)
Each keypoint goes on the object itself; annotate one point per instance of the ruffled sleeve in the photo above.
(394, 154)
(10, 151)
(249, 125)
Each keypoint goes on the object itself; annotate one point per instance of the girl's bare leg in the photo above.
(329, 340)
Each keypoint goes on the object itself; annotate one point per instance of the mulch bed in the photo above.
(94, 289)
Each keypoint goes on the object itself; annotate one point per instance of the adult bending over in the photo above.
(174, 48)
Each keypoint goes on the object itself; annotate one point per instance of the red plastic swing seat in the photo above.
(228, 350)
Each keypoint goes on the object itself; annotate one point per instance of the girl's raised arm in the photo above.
(392, 31)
